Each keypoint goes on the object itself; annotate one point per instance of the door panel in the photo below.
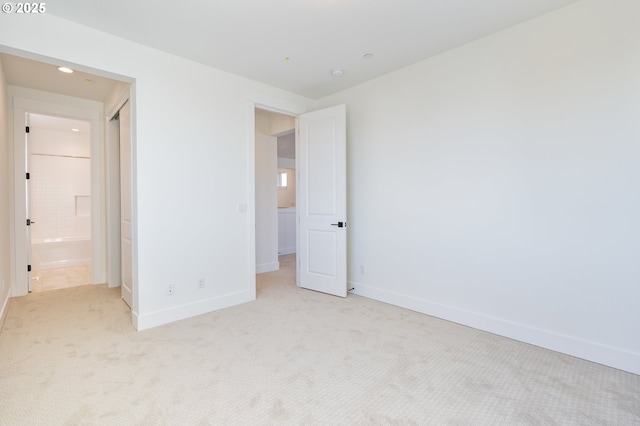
(125, 205)
(320, 243)
(321, 164)
(322, 201)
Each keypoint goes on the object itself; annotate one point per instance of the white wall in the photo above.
(280, 123)
(191, 160)
(5, 195)
(287, 240)
(286, 163)
(496, 185)
(266, 197)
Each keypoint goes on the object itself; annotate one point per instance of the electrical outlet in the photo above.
(201, 283)
(171, 290)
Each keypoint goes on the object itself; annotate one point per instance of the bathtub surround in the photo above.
(60, 172)
(51, 253)
(60, 195)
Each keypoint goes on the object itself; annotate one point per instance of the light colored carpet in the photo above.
(292, 357)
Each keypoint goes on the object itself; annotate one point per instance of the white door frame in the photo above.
(268, 103)
(22, 106)
(112, 163)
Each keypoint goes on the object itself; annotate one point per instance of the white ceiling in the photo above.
(41, 76)
(252, 38)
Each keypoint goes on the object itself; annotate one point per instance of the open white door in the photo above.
(322, 201)
(125, 205)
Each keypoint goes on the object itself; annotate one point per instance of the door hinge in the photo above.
(27, 129)
(28, 222)
(28, 176)
(28, 268)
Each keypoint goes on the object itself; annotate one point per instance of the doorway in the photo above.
(321, 201)
(85, 201)
(275, 192)
(59, 200)
(86, 97)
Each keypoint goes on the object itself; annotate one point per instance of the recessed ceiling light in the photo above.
(337, 73)
(75, 130)
(65, 70)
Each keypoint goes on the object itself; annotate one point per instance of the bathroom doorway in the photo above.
(59, 197)
(79, 96)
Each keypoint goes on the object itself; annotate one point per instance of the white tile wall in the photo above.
(57, 183)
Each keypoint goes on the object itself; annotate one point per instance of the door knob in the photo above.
(340, 224)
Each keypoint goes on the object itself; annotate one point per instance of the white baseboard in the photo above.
(287, 250)
(4, 306)
(188, 310)
(588, 350)
(267, 267)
